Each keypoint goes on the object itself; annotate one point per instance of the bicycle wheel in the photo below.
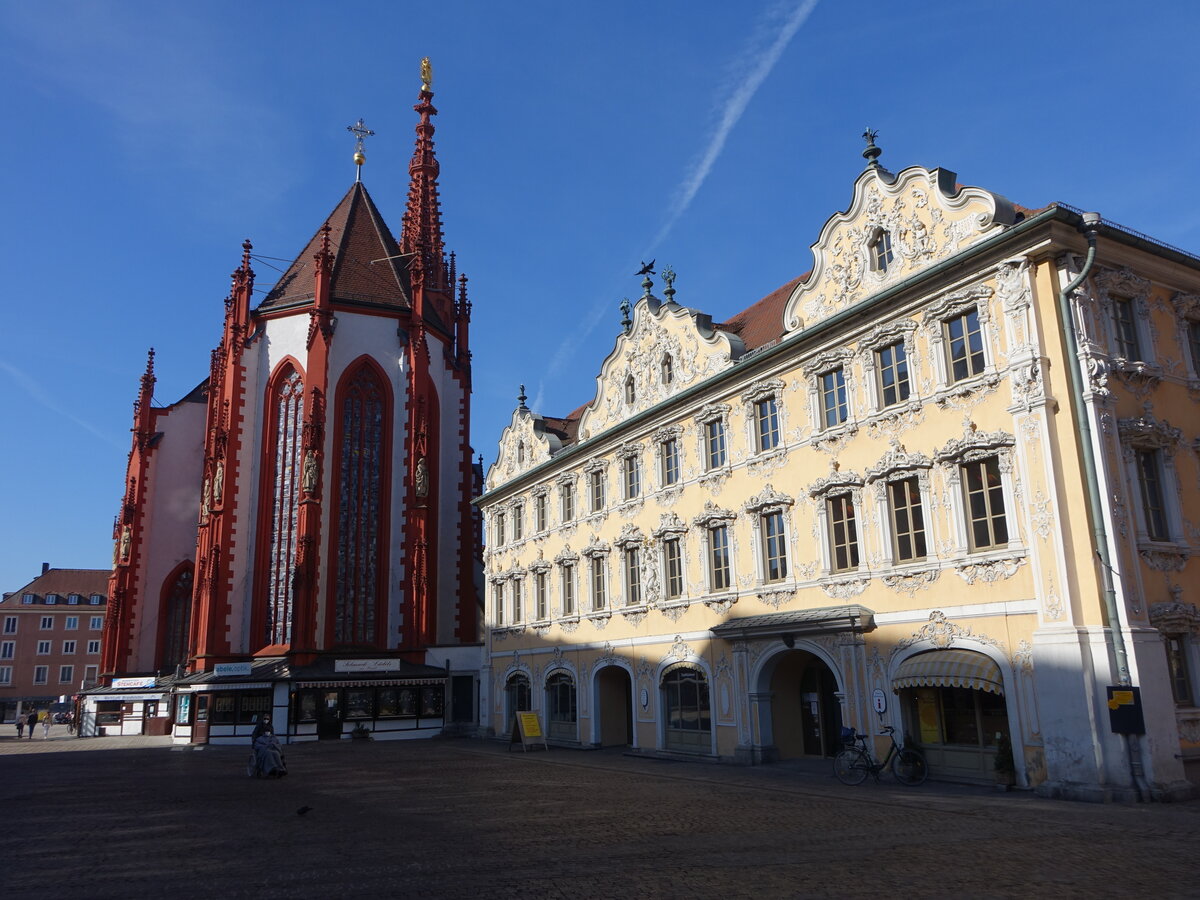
(910, 768)
(850, 767)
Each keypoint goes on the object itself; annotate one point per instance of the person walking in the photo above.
(30, 721)
(20, 725)
(47, 721)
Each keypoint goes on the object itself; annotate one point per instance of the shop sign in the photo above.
(879, 701)
(144, 682)
(228, 670)
(366, 665)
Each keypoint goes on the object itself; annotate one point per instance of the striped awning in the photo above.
(950, 668)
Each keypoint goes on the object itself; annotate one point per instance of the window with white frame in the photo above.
(673, 567)
(891, 374)
(41, 674)
(774, 546)
(835, 407)
(96, 599)
(668, 455)
(539, 512)
(518, 600)
(714, 443)
(7, 649)
(1179, 670)
(518, 521)
(907, 520)
(842, 523)
(1193, 341)
(498, 602)
(598, 582)
(596, 489)
(74, 599)
(766, 424)
(720, 574)
(963, 338)
(566, 501)
(499, 529)
(96, 623)
(93, 648)
(630, 390)
(567, 587)
(27, 599)
(72, 623)
(541, 592)
(632, 476)
(983, 495)
(47, 623)
(1126, 343)
(881, 250)
(51, 599)
(43, 648)
(89, 674)
(5, 674)
(66, 674)
(10, 624)
(633, 575)
(667, 369)
(1148, 447)
(1150, 485)
(68, 648)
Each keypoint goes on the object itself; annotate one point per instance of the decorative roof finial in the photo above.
(668, 277)
(426, 75)
(360, 131)
(626, 306)
(871, 154)
(521, 398)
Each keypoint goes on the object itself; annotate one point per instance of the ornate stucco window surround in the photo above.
(1178, 624)
(956, 358)
(896, 469)
(766, 419)
(567, 608)
(638, 574)
(539, 580)
(882, 367)
(596, 487)
(841, 538)
(1148, 448)
(720, 553)
(595, 560)
(831, 389)
(1123, 300)
(668, 458)
(670, 539)
(568, 499)
(771, 512)
(632, 475)
(712, 434)
(1187, 319)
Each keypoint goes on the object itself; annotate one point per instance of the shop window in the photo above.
(835, 407)
(252, 705)
(964, 345)
(359, 703)
(687, 712)
(183, 709)
(891, 374)
(387, 703)
(108, 712)
(986, 521)
(223, 709)
(843, 533)
(959, 717)
(406, 700)
(907, 519)
(560, 706)
(433, 701)
(1177, 664)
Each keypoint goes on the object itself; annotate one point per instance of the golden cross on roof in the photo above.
(360, 131)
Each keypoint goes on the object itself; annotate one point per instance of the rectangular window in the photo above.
(766, 417)
(673, 563)
(908, 522)
(73, 600)
(518, 521)
(541, 590)
(518, 600)
(843, 533)
(596, 489)
(718, 558)
(1150, 480)
(96, 599)
(568, 589)
(1193, 331)
(7, 649)
(47, 623)
(714, 443)
(498, 602)
(41, 674)
(43, 648)
(65, 674)
(27, 599)
(500, 536)
(539, 512)
(5, 674)
(598, 595)
(1125, 329)
(89, 675)
(97, 622)
(633, 477)
(51, 599)
(68, 648)
(633, 576)
(568, 502)
(964, 344)
(72, 623)
(10, 624)
(669, 450)
(1177, 663)
(891, 368)
(986, 522)
(834, 408)
(774, 547)
(93, 647)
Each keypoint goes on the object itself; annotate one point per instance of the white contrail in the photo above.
(36, 391)
(742, 91)
(738, 93)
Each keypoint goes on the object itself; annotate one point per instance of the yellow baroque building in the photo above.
(948, 481)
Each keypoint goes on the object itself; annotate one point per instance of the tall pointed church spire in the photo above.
(422, 231)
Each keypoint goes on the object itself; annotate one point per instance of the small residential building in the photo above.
(947, 480)
(50, 634)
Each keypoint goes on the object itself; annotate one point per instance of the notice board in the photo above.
(527, 731)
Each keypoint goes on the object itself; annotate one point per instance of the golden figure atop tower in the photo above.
(426, 74)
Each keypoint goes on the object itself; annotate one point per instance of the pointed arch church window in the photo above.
(284, 484)
(177, 611)
(360, 490)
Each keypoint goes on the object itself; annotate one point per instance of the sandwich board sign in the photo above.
(527, 731)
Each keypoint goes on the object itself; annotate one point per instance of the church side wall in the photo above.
(452, 401)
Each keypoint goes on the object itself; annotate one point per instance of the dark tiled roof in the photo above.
(64, 582)
(362, 271)
(762, 323)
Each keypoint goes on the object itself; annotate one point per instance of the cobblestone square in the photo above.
(136, 817)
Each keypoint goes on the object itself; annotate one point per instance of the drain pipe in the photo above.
(1083, 425)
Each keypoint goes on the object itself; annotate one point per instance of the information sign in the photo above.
(879, 700)
(527, 731)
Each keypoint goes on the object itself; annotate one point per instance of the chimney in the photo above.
(45, 568)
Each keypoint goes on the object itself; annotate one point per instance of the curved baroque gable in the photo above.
(697, 351)
(928, 219)
(524, 443)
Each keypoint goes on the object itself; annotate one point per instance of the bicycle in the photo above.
(853, 764)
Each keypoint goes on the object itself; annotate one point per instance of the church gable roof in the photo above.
(366, 267)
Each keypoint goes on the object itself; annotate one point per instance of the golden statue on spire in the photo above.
(426, 74)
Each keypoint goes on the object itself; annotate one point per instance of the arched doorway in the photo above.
(516, 699)
(805, 711)
(561, 709)
(614, 707)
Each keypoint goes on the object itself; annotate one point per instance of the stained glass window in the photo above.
(285, 508)
(178, 615)
(360, 472)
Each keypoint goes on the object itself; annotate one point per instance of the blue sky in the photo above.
(146, 140)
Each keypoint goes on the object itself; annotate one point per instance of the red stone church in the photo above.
(296, 534)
